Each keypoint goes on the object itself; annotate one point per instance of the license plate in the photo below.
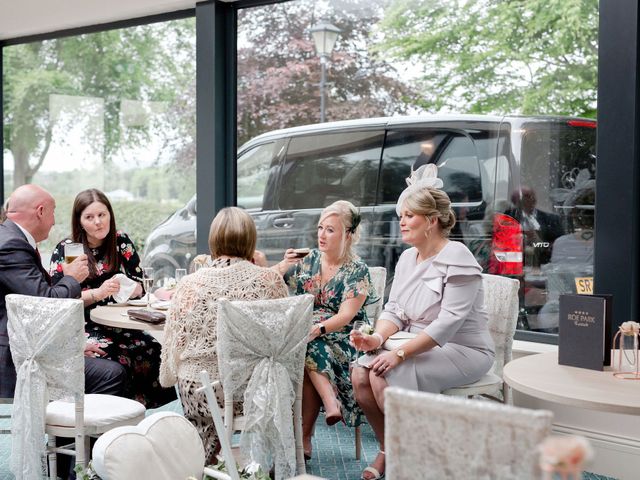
(584, 285)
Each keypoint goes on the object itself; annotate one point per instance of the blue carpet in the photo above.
(333, 450)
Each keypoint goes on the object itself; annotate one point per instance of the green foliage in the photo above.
(103, 73)
(498, 56)
(138, 218)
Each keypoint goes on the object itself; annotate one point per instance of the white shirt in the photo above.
(30, 238)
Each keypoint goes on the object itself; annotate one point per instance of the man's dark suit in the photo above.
(21, 272)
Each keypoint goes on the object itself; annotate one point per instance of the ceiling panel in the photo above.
(31, 17)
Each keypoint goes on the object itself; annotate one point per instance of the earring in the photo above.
(427, 233)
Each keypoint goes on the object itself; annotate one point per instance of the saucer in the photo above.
(137, 302)
(161, 305)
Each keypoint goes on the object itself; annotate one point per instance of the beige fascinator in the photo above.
(424, 177)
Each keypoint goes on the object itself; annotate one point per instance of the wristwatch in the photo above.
(323, 329)
(400, 353)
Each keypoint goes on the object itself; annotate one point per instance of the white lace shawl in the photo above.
(191, 330)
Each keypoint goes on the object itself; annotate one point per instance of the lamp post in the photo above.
(324, 36)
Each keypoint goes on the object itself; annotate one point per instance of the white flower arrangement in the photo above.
(252, 471)
(630, 328)
(170, 283)
(366, 329)
(564, 453)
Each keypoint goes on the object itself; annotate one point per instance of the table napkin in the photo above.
(127, 286)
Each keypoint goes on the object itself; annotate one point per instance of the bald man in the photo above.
(30, 216)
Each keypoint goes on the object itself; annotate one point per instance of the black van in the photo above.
(522, 188)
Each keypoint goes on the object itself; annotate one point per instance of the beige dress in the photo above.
(190, 340)
(442, 297)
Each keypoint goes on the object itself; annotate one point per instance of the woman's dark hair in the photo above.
(109, 244)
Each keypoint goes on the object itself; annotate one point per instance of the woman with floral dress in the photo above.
(110, 252)
(341, 285)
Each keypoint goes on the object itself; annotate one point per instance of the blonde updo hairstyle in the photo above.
(349, 218)
(432, 202)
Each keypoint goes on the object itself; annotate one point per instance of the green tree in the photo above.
(498, 56)
(140, 64)
(279, 71)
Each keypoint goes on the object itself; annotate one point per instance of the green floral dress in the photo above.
(331, 354)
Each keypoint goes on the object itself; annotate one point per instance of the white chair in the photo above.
(379, 281)
(439, 437)
(261, 350)
(163, 446)
(501, 302)
(47, 343)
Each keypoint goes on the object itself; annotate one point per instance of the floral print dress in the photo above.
(136, 350)
(331, 354)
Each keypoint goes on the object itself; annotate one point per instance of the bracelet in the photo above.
(379, 337)
(93, 297)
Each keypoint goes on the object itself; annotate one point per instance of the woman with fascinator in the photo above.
(341, 285)
(436, 294)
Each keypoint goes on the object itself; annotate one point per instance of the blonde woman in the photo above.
(341, 285)
(437, 294)
(191, 330)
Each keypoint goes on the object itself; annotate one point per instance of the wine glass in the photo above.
(357, 327)
(147, 281)
(180, 273)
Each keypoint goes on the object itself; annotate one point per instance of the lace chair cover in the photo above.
(379, 280)
(47, 340)
(262, 345)
(439, 437)
(501, 302)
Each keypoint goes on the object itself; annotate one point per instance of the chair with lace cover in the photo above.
(47, 343)
(501, 302)
(261, 351)
(379, 281)
(430, 436)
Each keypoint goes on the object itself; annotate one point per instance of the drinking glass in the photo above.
(72, 251)
(357, 325)
(180, 273)
(147, 281)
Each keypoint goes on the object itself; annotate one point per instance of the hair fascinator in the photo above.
(424, 177)
(356, 218)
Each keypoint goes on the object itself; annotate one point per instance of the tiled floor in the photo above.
(334, 445)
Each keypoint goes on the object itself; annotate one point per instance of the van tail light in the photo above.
(582, 123)
(506, 246)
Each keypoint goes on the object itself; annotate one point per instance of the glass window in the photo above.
(253, 173)
(320, 169)
(555, 206)
(112, 110)
(454, 152)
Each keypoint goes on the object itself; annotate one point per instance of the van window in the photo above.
(253, 172)
(320, 169)
(453, 151)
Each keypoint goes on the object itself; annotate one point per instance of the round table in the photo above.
(540, 376)
(116, 316)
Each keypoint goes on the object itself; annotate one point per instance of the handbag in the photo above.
(398, 339)
(148, 316)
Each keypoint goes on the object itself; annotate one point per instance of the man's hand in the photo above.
(93, 350)
(77, 269)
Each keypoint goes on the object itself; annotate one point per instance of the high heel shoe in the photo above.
(373, 471)
(333, 419)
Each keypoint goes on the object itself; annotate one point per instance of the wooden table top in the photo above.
(116, 316)
(540, 376)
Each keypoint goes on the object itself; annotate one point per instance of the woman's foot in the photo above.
(306, 448)
(374, 471)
